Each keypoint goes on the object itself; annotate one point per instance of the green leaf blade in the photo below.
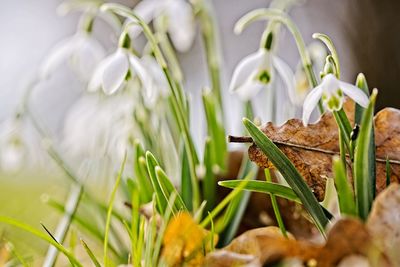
(289, 172)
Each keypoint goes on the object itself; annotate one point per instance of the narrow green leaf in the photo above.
(186, 182)
(209, 181)
(90, 253)
(264, 187)
(42, 236)
(289, 172)
(275, 206)
(168, 189)
(146, 190)
(343, 188)
(362, 183)
(110, 209)
(239, 204)
(215, 129)
(160, 198)
(218, 209)
(361, 83)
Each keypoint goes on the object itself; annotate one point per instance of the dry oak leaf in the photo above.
(347, 237)
(384, 222)
(311, 148)
(185, 242)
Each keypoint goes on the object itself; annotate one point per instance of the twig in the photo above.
(248, 139)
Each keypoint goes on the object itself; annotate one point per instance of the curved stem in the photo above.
(329, 44)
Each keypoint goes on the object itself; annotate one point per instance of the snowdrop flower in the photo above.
(331, 91)
(82, 51)
(97, 131)
(159, 82)
(179, 18)
(256, 72)
(13, 150)
(113, 72)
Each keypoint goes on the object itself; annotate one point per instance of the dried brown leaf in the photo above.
(347, 237)
(384, 222)
(311, 148)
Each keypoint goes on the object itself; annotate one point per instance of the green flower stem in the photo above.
(177, 104)
(275, 206)
(328, 42)
(213, 55)
(165, 43)
(344, 130)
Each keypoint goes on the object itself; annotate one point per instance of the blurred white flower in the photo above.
(97, 131)
(159, 82)
(179, 18)
(331, 91)
(82, 51)
(256, 72)
(12, 146)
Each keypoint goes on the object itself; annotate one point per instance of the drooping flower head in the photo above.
(179, 17)
(82, 51)
(117, 69)
(257, 71)
(331, 90)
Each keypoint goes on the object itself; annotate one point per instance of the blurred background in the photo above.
(365, 32)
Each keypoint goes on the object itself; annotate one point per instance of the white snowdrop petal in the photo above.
(181, 24)
(146, 10)
(144, 76)
(354, 93)
(249, 90)
(59, 54)
(97, 77)
(311, 102)
(87, 57)
(115, 72)
(330, 84)
(246, 67)
(287, 76)
(154, 69)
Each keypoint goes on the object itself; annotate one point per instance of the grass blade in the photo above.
(186, 182)
(344, 189)
(217, 210)
(362, 183)
(275, 206)
(289, 172)
(168, 189)
(110, 209)
(264, 187)
(160, 197)
(209, 182)
(215, 129)
(362, 84)
(239, 206)
(146, 190)
(42, 236)
(90, 253)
